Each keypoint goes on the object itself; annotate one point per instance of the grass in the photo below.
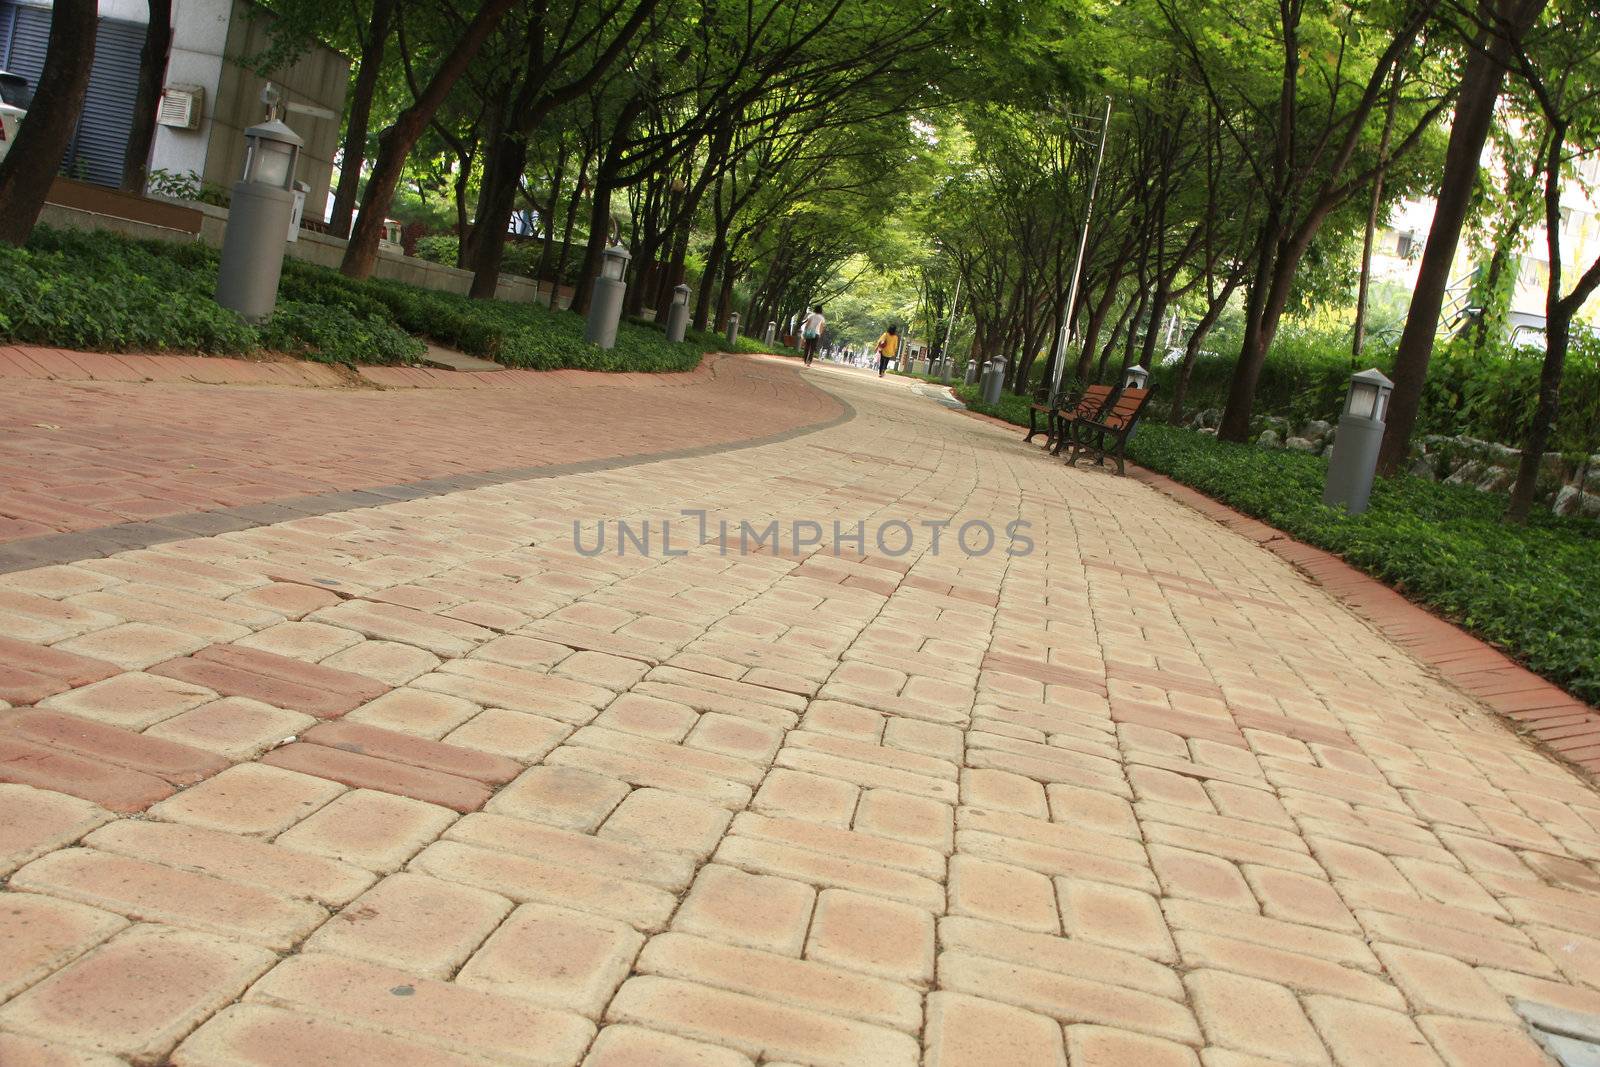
(1528, 589)
(103, 292)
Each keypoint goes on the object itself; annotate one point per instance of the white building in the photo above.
(213, 94)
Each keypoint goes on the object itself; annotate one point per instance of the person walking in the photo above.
(888, 347)
(811, 332)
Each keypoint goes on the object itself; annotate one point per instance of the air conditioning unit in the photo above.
(182, 106)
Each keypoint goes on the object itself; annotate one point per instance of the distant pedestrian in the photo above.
(888, 347)
(811, 332)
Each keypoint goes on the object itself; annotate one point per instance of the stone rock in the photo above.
(1209, 431)
(1468, 473)
(1495, 480)
(1422, 467)
(1567, 500)
(1299, 444)
(1269, 439)
(1316, 429)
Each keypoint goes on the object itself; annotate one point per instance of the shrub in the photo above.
(101, 291)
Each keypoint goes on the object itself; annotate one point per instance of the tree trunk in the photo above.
(483, 247)
(354, 151)
(547, 215)
(1480, 88)
(1523, 491)
(1191, 351)
(152, 72)
(599, 233)
(702, 299)
(35, 156)
(396, 142)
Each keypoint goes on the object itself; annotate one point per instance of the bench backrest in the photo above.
(1094, 398)
(1129, 403)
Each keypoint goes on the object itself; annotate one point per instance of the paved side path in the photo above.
(80, 454)
(421, 784)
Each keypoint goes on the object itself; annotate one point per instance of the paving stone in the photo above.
(871, 935)
(446, 1015)
(797, 795)
(140, 993)
(107, 785)
(413, 923)
(39, 820)
(416, 711)
(369, 772)
(173, 762)
(416, 752)
(250, 799)
(1361, 1035)
(1011, 896)
(967, 1031)
(556, 957)
(40, 934)
(1471, 1043)
(561, 796)
(1253, 1016)
(526, 880)
(1066, 998)
(133, 701)
(551, 844)
(757, 1026)
(1100, 1046)
(621, 1045)
(19, 1050)
(150, 892)
(513, 734)
(378, 831)
(752, 910)
(233, 728)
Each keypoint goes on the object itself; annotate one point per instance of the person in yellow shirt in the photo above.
(888, 347)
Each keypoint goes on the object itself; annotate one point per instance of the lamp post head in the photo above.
(614, 262)
(1369, 395)
(680, 295)
(1136, 377)
(272, 151)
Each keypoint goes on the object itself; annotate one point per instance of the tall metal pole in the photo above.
(944, 362)
(1077, 266)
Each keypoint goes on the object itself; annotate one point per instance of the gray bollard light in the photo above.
(605, 303)
(733, 331)
(771, 334)
(995, 381)
(973, 369)
(678, 314)
(1135, 377)
(259, 216)
(1355, 446)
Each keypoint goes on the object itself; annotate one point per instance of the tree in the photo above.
(152, 71)
(397, 140)
(1561, 70)
(1295, 88)
(1504, 22)
(31, 164)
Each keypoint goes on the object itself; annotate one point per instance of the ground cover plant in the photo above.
(103, 292)
(1529, 589)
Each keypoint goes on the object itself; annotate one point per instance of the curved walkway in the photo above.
(435, 782)
(157, 460)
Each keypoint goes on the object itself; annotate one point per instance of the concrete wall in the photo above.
(209, 38)
(327, 251)
(319, 78)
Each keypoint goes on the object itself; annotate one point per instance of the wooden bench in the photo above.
(1089, 405)
(1109, 432)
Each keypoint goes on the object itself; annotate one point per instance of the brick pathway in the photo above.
(421, 784)
(83, 447)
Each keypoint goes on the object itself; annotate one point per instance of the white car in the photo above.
(15, 98)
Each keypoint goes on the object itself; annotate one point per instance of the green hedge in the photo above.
(1528, 589)
(100, 291)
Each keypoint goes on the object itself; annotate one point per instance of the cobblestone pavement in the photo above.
(421, 784)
